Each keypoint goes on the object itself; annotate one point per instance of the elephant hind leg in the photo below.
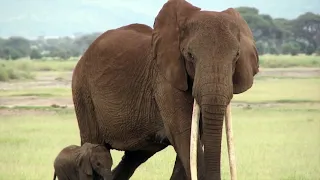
(131, 160)
(85, 113)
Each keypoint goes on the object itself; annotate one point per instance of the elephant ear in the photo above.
(247, 66)
(166, 41)
(83, 158)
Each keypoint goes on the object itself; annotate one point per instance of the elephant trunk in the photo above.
(212, 116)
(213, 94)
(106, 174)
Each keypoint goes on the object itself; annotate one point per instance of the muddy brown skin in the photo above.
(133, 88)
(88, 162)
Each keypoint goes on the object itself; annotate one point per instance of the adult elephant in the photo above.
(133, 89)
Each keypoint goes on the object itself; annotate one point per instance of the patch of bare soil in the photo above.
(43, 80)
(35, 101)
(246, 105)
(290, 72)
(52, 80)
(24, 112)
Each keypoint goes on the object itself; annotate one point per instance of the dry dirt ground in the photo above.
(54, 80)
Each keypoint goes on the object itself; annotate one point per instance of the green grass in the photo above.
(277, 143)
(271, 143)
(55, 108)
(266, 61)
(39, 92)
(287, 61)
(7, 73)
(282, 90)
(280, 142)
(41, 65)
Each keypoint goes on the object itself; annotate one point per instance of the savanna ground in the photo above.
(276, 123)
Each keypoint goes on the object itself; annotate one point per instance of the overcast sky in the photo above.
(65, 17)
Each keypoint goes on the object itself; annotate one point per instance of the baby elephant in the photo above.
(90, 161)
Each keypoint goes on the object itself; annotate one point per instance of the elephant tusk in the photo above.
(194, 140)
(230, 144)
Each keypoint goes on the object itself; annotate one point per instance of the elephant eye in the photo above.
(238, 53)
(98, 164)
(190, 56)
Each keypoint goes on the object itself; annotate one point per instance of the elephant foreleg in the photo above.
(176, 112)
(178, 172)
(130, 161)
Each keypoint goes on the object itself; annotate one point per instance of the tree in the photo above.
(14, 54)
(260, 47)
(300, 35)
(309, 50)
(247, 10)
(318, 51)
(35, 54)
(265, 29)
(10, 53)
(20, 45)
(306, 29)
(290, 48)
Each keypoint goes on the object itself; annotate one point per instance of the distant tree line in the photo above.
(273, 36)
(63, 47)
(282, 36)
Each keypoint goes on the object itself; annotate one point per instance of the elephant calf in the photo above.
(89, 161)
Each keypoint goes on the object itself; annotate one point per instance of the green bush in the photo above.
(260, 47)
(273, 50)
(35, 54)
(3, 74)
(292, 48)
(309, 50)
(8, 73)
(45, 64)
(317, 51)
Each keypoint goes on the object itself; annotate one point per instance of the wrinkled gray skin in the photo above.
(134, 87)
(90, 161)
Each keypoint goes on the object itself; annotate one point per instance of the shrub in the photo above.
(35, 54)
(260, 47)
(317, 51)
(310, 50)
(273, 50)
(3, 73)
(8, 73)
(292, 48)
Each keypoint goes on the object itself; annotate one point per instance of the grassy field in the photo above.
(265, 90)
(25, 68)
(271, 143)
(276, 126)
(282, 90)
(40, 92)
(286, 61)
(22, 68)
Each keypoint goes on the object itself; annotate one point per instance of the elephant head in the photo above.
(211, 52)
(95, 157)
